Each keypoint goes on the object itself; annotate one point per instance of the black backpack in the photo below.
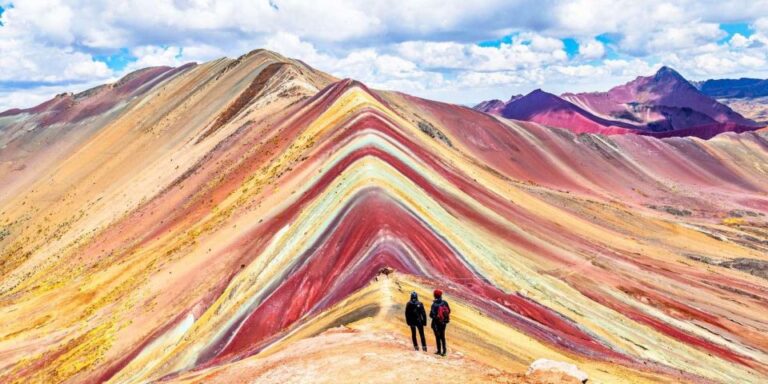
(414, 310)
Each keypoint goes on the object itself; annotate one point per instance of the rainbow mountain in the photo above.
(257, 220)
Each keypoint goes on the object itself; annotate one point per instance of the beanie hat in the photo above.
(438, 293)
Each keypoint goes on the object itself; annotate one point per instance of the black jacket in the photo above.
(433, 311)
(415, 313)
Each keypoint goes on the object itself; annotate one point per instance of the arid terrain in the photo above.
(257, 220)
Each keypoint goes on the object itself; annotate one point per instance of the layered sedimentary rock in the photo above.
(201, 228)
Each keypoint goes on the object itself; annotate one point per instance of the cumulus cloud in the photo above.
(674, 38)
(153, 56)
(23, 60)
(761, 25)
(427, 47)
(525, 51)
(591, 49)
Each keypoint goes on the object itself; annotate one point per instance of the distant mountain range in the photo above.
(749, 97)
(662, 105)
(733, 88)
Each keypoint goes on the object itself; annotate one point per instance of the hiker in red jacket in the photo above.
(416, 317)
(440, 313)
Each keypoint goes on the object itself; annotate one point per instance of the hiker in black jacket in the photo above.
(440, 315)
(416, 317)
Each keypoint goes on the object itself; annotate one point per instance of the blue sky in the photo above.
(733, 28)
(116, 60)
(449, 50)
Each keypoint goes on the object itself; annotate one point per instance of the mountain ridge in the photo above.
(664, 104)
(734, 88)
(747, 96)
(169, 252)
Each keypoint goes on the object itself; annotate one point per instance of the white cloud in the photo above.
(48, 20)
(525, 51)
(761, 25)
(591, 49)
(24, 60)
(483, 79)
(153, 56)
(692, 35)
(38, 49)
(291, 45)
(377, 69)
(385, 71)
(738, 41)
(424, 46)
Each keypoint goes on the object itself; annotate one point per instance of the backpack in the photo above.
(443, 313)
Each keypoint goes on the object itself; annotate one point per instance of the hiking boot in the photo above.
(442, 354)
(424, 348)
(416, 347)
(438, 353)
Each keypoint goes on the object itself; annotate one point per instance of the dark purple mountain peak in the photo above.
(667, 73)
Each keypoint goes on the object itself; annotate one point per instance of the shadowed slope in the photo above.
(548, 109)
(665, 102)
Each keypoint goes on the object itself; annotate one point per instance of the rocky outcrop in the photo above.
(558, 366)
